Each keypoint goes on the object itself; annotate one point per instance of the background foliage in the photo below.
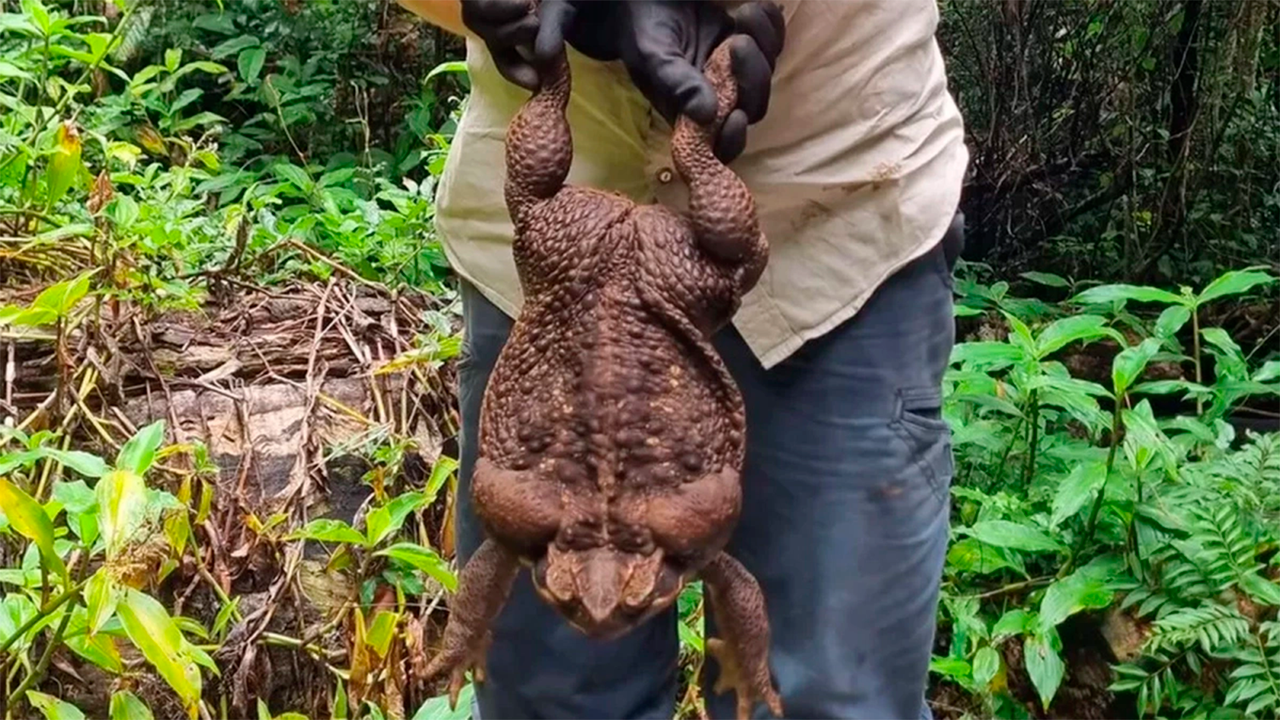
(1115, 548)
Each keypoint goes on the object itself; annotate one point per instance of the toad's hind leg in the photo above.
(483, 587)
(742, 650)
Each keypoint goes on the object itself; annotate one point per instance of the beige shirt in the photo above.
(856, 169)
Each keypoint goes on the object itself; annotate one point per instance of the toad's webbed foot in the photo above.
(742, 650)
(483, 587)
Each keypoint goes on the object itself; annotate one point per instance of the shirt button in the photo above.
(665, 176)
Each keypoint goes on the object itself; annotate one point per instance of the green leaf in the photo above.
(337, 177)
(1129, 364)
(12, 172)
(154, 633)
(60, 299)
(1068, 596)
(1013, 623)
(1262, 702)
(1104, 294)
(1061, 333)
(381, 631)
(227, 48)
(1269, 371)
(1077, 489)
(126, 706)
(122, 497)
(101, 597)
(1003, 533)
(26, 516)
(140, 450)
(53, 708)
(1020, 335)
(36, 10)
(10, 71)
(1144, 441)
(387, 520)
(1261, 589)
(1044, 666)
(954, 668)
(86, 464)
(220, 22)
(986, 663)
(1234, 282)
(250, 62)
(437, 708)
(123, 211)
(15, 22)
(100, 650)
(689, 638)
(15, 611)
(294, 175)
(1230, 359)
(81, 505)
(1168, 387)
(452, 66)
(446, 466)
(425, 560)
(1171, 320)
(987, 356)
(1045, 278)
(327, 530)
(339, 711)
(969, 555)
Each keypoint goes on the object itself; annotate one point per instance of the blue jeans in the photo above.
(845, 522)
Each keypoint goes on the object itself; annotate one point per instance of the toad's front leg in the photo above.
(483, 587)
(742, 650)
(721, 208)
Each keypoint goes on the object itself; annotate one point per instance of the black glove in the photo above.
(664, 43)
(513, 33)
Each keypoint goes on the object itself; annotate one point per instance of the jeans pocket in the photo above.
(919, 423)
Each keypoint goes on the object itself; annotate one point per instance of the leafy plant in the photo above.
(1076, 498)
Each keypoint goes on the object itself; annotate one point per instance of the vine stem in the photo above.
(45, 659)
(1015, 587)
(1004, 457)
(1272, 679)
(1033, 440)
(43, 120)
(1096, 510)
(1195, 344)
(92, 67)
(45, 612)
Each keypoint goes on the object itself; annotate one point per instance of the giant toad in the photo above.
(611, 434)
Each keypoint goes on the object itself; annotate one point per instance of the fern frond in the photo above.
(1210, 627)
(1255, 683)
(133, 35)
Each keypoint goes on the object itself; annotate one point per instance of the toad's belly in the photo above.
(612, 397)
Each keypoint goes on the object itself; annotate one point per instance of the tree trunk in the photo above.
(1182, 116)
(1186, 69)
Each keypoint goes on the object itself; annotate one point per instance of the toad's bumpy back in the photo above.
(611, 435)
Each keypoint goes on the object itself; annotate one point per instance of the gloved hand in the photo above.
(664, 43)
(518, 38)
